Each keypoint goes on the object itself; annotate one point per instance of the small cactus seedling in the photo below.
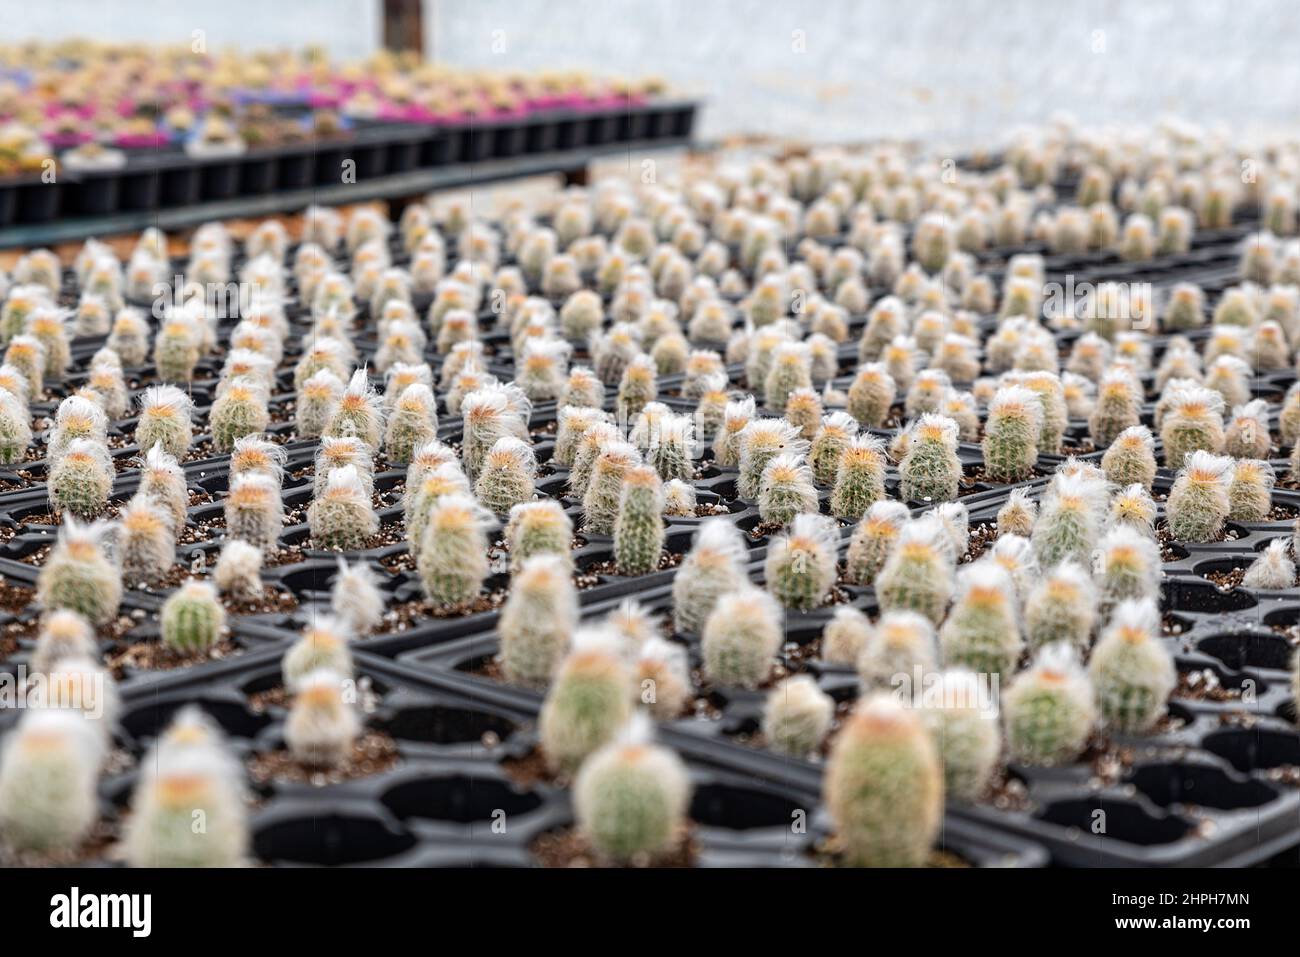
(800, 565)
(927, 392)
(1017, 515)
(663, 677)
(582, 389)
(955, 518)
(507, 475)
(322, 645)
(760, 442)
(192, 618)
(146, 541)
(446, 479)
(873, 541)
(872, 395)
(1250, 493)
(176, 350)
(963, 724)
(1193, 420)
(845, 635)
(80, 481)
(452, 562)
(359, 413)
(537, 619)
(188, 776)
(787, 490)
(491, 414)
(1199, 502)
(1274, 568)
(239, 571)
(887, 319)
(538, 528)
(1247, 436)
(837, 430)
(76, 418)
(1062, 607)
(162, 480)
(740, 638)
(1070, 519)
(1048, 712)
(318, 397)
(79, 576)
(48, 774)
(333, 454)
(604, 490)
(15, 427)
(982, 631)
(64, 634)
(901, 644)
(727, 444)
(791, 370)
(639, 527)
(587, 703)
(343, 517)
(1132, 670)
(930, 469)
(323, 725)
(255, 510)
(671, 450)
(413, 423)
(572, 423)
(107, 384)
(637, 386)
(355, 597)
(1015, 418)
(884, 786)
(1131, 457)
(713, 567)
(1133, 506)
(1117, 407)
(860, 477)
(918, 574)
(631, 796)
(27, 355)
(1126, 566)
(679, 499)
(240, 411)
(797, 715)
(803, 409)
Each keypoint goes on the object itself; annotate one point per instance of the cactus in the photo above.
(1186, 308)
(982, 631)
(582, 389)
(740, 638)
(79, 576)
(176, 351)
(637, 386)
(663, 677)
(713, 567)
(902, 645)
(355, 597)
(27, 355)
(671, 450)
(188, 776)
(1010, 444)
(323, 645)
(239, 571)
(1192, 420)
(81, 479)
(1048, 711)
(679, 499)
(1134, 507)
(963, 726)
(1116, 408)
(803, 410)
(1061, 607)
(163, 481)
(108, 385)
(860, 477)
(239, 411)
(253, 454)
(883, 786)
(800, 566)
(343, 517)
(1070, 519)
(48, 774)
(930, 470)
(254, 510)
(1132, 670)
(727, 443)
(446, 479)
(572, 423)
(543, 370)
(630, 797)
(413, 423)
(791, 370)
(358, 414)
(540, 613)
(1126, 566)
(886, 320)
(318, 398)
(334, 454)
(1199, 502)
(146, 541)
(844, 636)
(1231, 377)
(587, 703)
(192, 618)
(927, 392)
(1017, 514)
(796, 716)
(322, 726)
(15, 428)
(639, 527)
(491, 414)
(76, 418)
(1250, 493)
(787, 490)
(871, 395)
(600, 503)
(873, 541)
(1274, 568)
(63, 635)
(918, 574)
(452, 562)
(538, 528)
(507, 475)
(1131, 457)
(837, 429)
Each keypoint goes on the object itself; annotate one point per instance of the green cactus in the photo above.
(537, 619)
(837, 430)
(790, 371)
(582, 389)
(1192, 420)
(80, 481)
(637, 386)
(600, 503)
(192, 618)
(803, 410)
(1048, 711)
(343, 517)
(358, 413)
(797, 716)
(883, 786)
(322, 645)
(491, 414)
(176, 351)
(1061, 607)
(1070, 518)
(254, 510)
(639, 528)
(587, 703)
(1117, 408)
(15, 428)
(962, 720)
(713, 567)
(901, 645)
(79, 576)
(845, 635)
(787, 490)
(800, 566)
(1127, 566)
(413, 423)
(47, 781)
(860, 477)
(1274, 568)
(930, 470)
(1131, 457)
(918, 574)
(507, 475)
(982, 631)
(538, 528)
(452, 562)
(871, 395)
(323, 725)
(1132, 670)
(740, 638)
(873, 540)
(1250, 493)
(1011, 434)
(572, 423)
(239, 411)
(1017, 514)
(727, 443)
(1199, 502)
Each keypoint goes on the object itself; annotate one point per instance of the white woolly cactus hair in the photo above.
(252, 453)
(1206, 468)
(809, 530)
(165, 399)
(1273, 569)
(1134, 506)
(956, 522)
(355, 596)
(239, 568)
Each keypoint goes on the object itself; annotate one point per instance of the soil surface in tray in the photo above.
(372, 753)
(567, 847)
